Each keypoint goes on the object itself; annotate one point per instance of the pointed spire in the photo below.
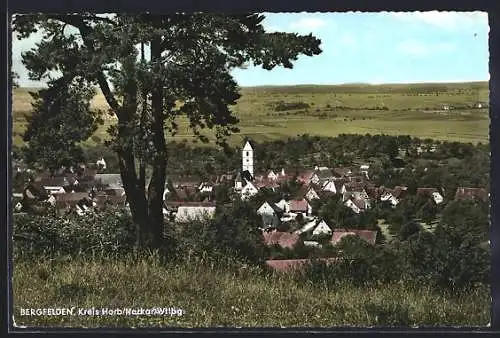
(247, 146)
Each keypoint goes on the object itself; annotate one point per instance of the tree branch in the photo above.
(85, 30)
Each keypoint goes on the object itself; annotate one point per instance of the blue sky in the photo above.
(374, 48)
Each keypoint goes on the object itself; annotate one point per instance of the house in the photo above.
(369, 236)
(266, 183)
(305, 177)
(109, 180)
(300, 206)
(80, 202)
(392, 196)
(363, 169)
(322, 229)
(205, 187)
(182, 193)
(248, 191)
(56, 185)
(283, 239)
(342, 172)
(307, 227)
(270, 214)
(35, 191)
(387, 196)
(238, 182)
(320, 176)
(101, 164)
(17, 204)
(357, 204)
(313, 244)
(311, 194)
(430, 193)
(186, 182)
(194, 211)
(472, 194)
(271, 175)
(283, 205)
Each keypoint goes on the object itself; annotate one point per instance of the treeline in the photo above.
(419, 162)
(362, 88)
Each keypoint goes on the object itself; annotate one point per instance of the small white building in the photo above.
(283, 205)
(188, 213)
(272, 175)
(205, 187)
(270, 217)
(388, 197)
(329, 186)
(307, 227)
(101, 163)
(248, 191)
(312, 194)
(322, 229)
(438, 199)
(55, 189)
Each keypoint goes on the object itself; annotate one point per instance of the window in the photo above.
(248, 153)
(248, 160)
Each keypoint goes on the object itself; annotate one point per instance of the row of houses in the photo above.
(288, 240)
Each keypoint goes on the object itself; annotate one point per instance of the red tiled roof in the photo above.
(426, 191)
(354, 186)
(283, 239)
(267, 183)
(298, 205)
(398, 191)
(368, 235)
(471, 193)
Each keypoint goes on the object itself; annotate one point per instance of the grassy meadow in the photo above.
(224, 297)
(329, 110)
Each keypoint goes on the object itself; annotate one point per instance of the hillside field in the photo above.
(215, 297)
(274, 112)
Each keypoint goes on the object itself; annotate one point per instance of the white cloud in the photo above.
(445, 20)
(417, 48)
(308, 24)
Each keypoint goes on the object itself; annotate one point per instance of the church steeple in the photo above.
(247, 158)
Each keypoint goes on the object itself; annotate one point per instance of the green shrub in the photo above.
(109, 232)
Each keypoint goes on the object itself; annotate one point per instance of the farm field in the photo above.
(269, 113)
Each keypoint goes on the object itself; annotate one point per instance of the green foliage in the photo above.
(60, 120)
(244, 296)
(468, 217)
(232, 233)
(447, 258)
(103, 234)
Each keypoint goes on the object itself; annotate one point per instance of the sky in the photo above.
(383, 47)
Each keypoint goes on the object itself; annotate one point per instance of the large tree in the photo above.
(187, 73)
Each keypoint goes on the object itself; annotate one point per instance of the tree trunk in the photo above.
(133, 188)
(157, 184)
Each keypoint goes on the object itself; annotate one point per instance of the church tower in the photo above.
(247, 157)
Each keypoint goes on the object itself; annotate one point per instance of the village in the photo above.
(285, 222)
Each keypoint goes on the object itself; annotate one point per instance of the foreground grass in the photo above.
(213, 297)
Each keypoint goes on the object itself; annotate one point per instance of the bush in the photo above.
(105, 233)
(360, 264)
(232, 233)
(447, 258)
